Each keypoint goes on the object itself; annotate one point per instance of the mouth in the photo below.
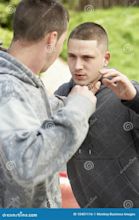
(80, 76)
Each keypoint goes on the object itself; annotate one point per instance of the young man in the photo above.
(35, 143)
(104, 172)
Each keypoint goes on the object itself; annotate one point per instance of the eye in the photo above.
(88, 57)
(71, 55)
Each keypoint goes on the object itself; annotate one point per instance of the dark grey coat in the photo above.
(104, 172)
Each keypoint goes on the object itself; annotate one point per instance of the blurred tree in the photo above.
(106, 3)
(87, 4)
(7, 9)
(71, 4)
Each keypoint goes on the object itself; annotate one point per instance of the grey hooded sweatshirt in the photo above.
(34, 142)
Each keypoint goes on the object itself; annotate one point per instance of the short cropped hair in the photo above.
(90, 31)
(33, 19)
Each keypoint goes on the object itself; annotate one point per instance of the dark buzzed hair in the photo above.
(90, 31)
(33, 19)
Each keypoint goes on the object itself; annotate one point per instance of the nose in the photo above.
(78, 64)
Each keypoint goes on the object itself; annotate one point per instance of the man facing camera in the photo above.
(104, 172)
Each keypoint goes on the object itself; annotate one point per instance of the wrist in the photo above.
(132, 95)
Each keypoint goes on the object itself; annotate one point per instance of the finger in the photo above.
(107, 70)
(108, 83)
(111, 75)
(117, 79)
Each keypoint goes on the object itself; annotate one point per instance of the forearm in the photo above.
(40, 153)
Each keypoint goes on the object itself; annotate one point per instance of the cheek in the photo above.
(92, 70)
(96, 65)
(70, 63)
(101, 62)
(59, 49)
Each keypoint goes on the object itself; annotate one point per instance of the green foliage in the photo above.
(7, 9)
(5, 37)
(122, 25)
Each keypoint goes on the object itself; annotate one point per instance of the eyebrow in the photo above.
(72, 54)
(88, 55)
(83, 55)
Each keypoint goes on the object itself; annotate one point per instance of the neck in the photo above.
(30, 54)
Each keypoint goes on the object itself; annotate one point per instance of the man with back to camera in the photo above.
(104, 172)
(35, 143)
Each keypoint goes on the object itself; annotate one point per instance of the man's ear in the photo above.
(51, 40)
(107, 58)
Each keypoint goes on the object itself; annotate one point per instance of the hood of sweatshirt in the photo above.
(11, 66)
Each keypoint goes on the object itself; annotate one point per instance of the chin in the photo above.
(81, 83)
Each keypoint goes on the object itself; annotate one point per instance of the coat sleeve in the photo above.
(32, 151)
(133, 104)
(133, 124)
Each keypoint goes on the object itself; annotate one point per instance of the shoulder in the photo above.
(9, 88)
